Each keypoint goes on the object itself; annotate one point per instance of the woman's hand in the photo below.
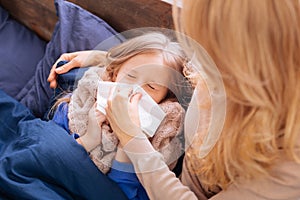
(92, 137)
(76, 59)
(123, 115)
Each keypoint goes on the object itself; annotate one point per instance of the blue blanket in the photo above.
(39, 160)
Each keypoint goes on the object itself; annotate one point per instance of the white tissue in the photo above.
(150, 113)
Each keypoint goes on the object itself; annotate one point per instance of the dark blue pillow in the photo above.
(77, 29)
(20, 51)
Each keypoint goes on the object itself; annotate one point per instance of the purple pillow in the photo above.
(20, 51)
(77, 29)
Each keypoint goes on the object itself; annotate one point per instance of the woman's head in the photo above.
(255, 45)
(151, 60)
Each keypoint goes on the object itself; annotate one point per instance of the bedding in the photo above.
(20, 52)
(76, 29)
(40, 160)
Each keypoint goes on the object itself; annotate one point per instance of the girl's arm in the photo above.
(76, 59)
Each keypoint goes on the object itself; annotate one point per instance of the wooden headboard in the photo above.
(40, 15)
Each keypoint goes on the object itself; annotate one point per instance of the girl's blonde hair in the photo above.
(255, 45)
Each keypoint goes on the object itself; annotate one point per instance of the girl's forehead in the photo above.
(144, 59)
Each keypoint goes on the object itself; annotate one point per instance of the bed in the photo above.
(40, 15)
(45, 163)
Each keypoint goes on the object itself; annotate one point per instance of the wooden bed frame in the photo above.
(40, 15)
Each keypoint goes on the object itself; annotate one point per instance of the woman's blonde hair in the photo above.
(255, 45)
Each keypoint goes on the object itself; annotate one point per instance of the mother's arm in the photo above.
(154, 174)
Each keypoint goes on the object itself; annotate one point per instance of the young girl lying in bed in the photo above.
(155, 63)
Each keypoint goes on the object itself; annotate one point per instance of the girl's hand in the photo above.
(122, 114)
(76, 59)
(92, 137)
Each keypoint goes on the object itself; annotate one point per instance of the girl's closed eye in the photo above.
(151, 86)
(131, 76)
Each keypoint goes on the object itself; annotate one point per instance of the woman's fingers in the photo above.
(133, 108)
(135, 98)
(120, 112)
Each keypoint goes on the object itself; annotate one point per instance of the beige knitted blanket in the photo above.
(167, 139)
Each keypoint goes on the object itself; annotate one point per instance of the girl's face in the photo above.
(148, 71)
